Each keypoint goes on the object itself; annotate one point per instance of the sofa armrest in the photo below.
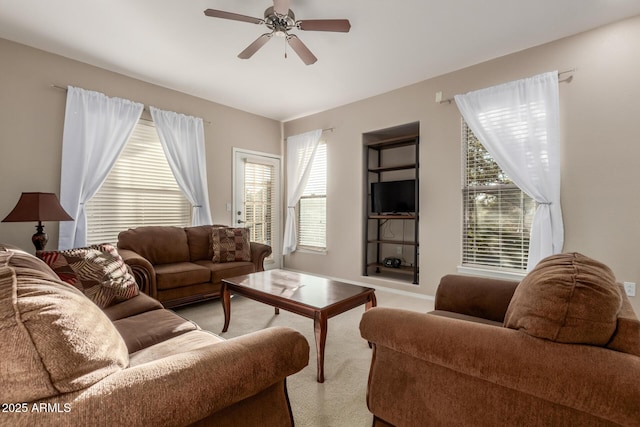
(143, 271)
(419, 355)
(183, 388)
(475, 296)
(259, 252)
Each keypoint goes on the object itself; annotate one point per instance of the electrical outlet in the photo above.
(399, 250)
(630, 289)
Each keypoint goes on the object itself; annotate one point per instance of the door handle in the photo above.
(241, 221)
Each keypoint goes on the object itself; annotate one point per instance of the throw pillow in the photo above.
(54, 340)
(98, 271)
(568, 298)
(230, 244)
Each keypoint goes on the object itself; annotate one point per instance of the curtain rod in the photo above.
(323, 131)
(145, 107)
(439, 99)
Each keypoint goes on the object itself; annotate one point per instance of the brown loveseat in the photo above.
(565, 350)
(64, 361)
(175, 265)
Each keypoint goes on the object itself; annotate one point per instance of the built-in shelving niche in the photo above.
(391, 155)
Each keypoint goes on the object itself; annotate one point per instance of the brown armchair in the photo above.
(459, 365)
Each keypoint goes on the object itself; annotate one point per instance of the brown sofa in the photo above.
(175, 265)
(559, 352)
(64, 361)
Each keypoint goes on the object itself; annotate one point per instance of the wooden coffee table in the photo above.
(309, 296)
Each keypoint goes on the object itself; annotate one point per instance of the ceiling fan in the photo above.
(280, 20)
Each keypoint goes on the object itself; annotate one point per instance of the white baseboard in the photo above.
(369, 285)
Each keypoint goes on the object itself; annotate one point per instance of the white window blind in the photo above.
(497, 214)
(259, 199)
(139, 191)
(312, 207)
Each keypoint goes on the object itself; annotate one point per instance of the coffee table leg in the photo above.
(320, 328)
(372, 302)
(226, 306)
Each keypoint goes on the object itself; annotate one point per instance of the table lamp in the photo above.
(38, 207)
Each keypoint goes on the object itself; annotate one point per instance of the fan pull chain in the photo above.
(285, 48)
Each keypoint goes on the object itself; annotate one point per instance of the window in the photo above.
(312, 208)
(140, 190)
(497, 214)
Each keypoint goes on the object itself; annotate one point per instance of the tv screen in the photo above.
(393, 196)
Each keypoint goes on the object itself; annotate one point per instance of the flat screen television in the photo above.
(393, 196)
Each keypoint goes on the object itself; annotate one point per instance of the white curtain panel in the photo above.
(301, 149)
(96, 129)
(518, 124)
(182, 139)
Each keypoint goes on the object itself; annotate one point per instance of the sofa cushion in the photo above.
(141, 303)
(199, 239)
(228, 269)
(158, 244)
(98, 271)
(26, 260)
(230, 244)
(54, 340)
(180, 274)
(188, 341)
(465, 317)
(567, 298)
(149, 328)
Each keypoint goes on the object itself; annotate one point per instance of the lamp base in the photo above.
(40, 239)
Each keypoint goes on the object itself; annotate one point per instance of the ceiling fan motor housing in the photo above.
(279, 23)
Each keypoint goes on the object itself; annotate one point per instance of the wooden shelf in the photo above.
(393, 242)
(402, 141)
(392, 168)
(392, 216)
(407, 269)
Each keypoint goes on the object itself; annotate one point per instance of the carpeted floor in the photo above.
(341, 400)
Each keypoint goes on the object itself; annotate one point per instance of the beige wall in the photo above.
(600, 147)
(32, 117)
(600, 110)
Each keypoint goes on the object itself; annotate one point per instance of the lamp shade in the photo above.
(38, 207)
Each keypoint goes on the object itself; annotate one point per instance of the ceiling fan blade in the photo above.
(338, 25)
(281, 7)
(301, 49)
(253, 47)
(233, 16)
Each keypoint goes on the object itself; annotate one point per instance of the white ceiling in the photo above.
(171, 43)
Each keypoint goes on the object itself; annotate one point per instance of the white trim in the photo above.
(256, 153)
(308, 250)
(369, 285)
(493, 274)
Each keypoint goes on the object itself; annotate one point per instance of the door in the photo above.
(257, 200)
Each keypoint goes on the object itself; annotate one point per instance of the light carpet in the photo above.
(341, 400)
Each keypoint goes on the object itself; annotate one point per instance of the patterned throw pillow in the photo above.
(230, 244)
(98, 271)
